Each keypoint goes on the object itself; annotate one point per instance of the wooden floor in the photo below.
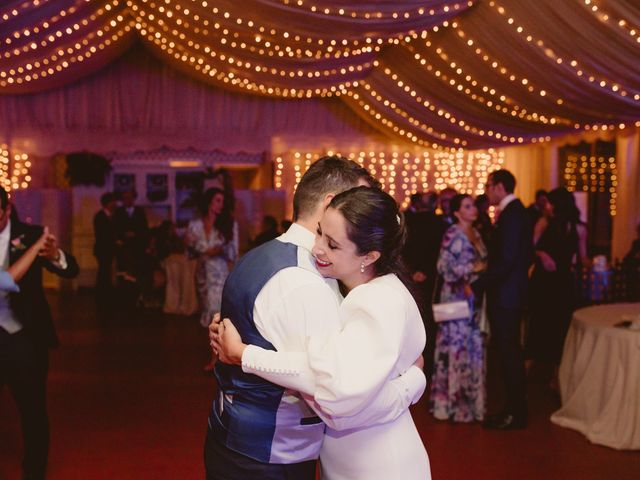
(128, 400)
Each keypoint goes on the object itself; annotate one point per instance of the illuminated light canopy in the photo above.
(419, 71)
(15, 168)
(593, 174)
(402, 173)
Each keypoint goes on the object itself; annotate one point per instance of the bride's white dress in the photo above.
(342, 374)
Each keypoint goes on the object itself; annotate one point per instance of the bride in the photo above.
(358, 242)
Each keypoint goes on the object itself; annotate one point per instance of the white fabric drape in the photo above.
(628, 199)
(531, 165)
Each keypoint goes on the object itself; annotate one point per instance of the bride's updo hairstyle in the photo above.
(374, 223)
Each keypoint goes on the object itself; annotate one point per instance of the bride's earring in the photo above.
(362, 267)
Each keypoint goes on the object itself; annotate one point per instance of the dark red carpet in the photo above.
(127, 400)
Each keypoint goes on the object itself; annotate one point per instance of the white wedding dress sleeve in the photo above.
(351, 378)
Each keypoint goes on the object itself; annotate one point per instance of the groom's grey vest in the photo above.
(249, 416)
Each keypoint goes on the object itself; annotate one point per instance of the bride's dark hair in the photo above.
(374, 223)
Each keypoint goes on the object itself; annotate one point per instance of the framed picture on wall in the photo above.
(188, 190)
(124, 182)
(157, 187)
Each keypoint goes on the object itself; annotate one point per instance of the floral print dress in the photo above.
(211, 272)
(457, 387)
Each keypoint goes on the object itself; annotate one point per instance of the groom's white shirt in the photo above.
(297, 304)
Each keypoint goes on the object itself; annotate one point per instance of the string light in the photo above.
(472, 44)
(239, 48)
(593, 174)
(511, 107)
(573, 66)
(62, 51)
(14, 169)
(402, 173)
(442, 111)
(596, 9)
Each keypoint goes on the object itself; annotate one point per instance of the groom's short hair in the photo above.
(327, 175)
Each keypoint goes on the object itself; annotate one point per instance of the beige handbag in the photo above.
(443, 312)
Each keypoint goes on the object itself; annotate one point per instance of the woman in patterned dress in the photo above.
(457, 387)
(213, 239)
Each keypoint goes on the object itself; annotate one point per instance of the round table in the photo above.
(600, 377)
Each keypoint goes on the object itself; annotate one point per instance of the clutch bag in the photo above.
(443, 312)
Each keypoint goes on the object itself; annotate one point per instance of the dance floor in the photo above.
(128, 400)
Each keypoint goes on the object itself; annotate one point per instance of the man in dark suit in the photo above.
(104, 248)
(424, 235)
(506, 286)
(27, 333)
(132, 234)
(537, 208)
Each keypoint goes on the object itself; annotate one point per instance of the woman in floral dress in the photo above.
(457, 387)
(213, 239)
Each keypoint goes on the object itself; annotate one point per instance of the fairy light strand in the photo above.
(402, 173)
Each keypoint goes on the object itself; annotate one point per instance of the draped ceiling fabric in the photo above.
(435, 73)
(138, 103)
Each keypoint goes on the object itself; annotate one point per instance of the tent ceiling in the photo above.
(447, 73)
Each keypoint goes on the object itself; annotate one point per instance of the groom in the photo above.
(277, 300)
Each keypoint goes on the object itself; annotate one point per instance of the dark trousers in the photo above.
(104, 286)
(221, 463)
(23, 368)
(505, 334)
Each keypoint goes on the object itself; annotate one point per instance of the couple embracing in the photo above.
(306, 373)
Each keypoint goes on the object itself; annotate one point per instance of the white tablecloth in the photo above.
(180, 294)
(600, 377)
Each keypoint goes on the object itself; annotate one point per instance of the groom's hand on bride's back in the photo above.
(214, 325)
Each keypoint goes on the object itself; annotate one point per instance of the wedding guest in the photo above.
(285, 224)
(633, 255)
(415, 204)
(132, 235)
(213, 239)
(269, 231)
(27, 331)
(444, 202)
(104, 248)
(506, 282)
(221, 178)
(631, 265)
(560, 248)
(537, 208)
(457, 385)
(483, 222)
(420, 254)
(152, 280)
